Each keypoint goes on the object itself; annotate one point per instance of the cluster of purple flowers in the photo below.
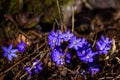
(83, 48)
(55, 38)
(10, 53)
(59, 56)
(85, 53)
(36, 67)
(62, 44)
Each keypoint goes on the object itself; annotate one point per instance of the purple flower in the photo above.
(52, 40)
(68, 57)
(36, 67)
(28, 69)
(67, 35)
(87, 55)
(106, 40)
(55, 38)
(76, 43)
(93, 70)
(82, 51)
(83, 72)
(103, 45)
(57, 57)
(21, 47)
(9, 52)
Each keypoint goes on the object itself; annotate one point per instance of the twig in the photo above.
(87, 4)
(94, 41)
(20, 5)
(10, 17)
(72, 17)
(118, 77)
(54, 75)
(24, 34)
(17, 74)
(59, 11)
(118, 59)
(57, 23)
(113, 46)
(103, 78)
(32, 60)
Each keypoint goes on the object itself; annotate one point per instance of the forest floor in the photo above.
(34, 31)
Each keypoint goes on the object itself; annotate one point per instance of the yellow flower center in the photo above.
(74, 42)
(87, 56)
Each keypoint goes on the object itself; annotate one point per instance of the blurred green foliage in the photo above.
(34, 7)
(48, 7)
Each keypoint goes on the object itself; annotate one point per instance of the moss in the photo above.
(48, 7)
(10, 30)
(36, 7)
(13, 6)
(32, 6)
